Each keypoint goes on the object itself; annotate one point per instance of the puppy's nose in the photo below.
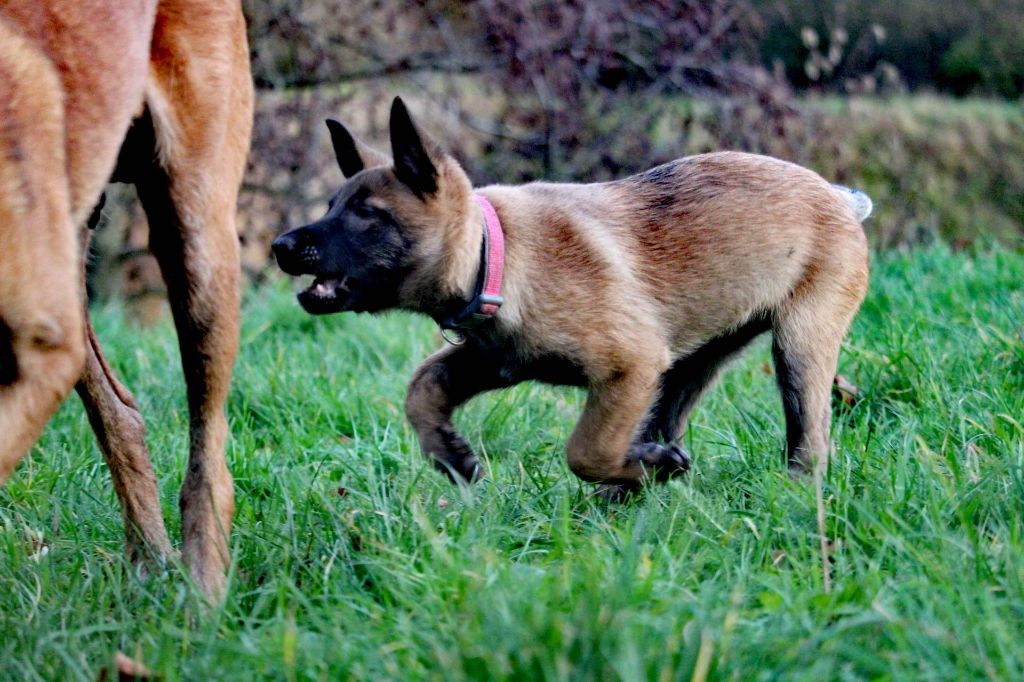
(284, 248)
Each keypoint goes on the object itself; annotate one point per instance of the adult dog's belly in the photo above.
(100, 49)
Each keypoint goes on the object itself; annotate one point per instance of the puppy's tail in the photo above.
(858, 201)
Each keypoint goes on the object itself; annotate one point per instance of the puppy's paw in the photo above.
(661, 462)
(619, 493)
(460, 469)
(458, 461)
(470, 469)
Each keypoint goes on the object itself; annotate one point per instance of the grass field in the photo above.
(526, 575)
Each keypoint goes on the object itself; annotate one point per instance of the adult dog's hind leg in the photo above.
(41, 344)
(444, 381)
(41, 340)
(122, 439)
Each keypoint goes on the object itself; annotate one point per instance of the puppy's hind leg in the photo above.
(688, 377)
(444, 381)
(808, 332)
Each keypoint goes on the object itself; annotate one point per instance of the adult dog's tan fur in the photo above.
(157, 93)
(639, 289)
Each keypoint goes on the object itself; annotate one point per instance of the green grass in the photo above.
(526, 576)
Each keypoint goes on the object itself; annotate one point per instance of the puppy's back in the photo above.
(718, 237)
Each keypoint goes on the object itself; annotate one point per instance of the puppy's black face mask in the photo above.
(358, 253)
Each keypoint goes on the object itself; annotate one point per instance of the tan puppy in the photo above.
(157, 93)
(640, 289)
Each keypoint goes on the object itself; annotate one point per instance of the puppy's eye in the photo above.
(362, 210)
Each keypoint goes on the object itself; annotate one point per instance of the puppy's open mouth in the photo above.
(325, 295)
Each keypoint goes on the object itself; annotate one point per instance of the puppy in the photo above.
(639, 290)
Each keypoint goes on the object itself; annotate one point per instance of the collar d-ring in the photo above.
(452, 336)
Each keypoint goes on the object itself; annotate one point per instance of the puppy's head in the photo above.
(387, 237)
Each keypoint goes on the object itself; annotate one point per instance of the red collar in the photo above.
(487, 294)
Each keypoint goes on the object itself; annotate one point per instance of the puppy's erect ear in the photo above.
(415, 154)
(353, 156)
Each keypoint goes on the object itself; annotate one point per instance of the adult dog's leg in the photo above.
(41, 339)
(200, 118)
(122, 439)
(444, 381)
(121, 434)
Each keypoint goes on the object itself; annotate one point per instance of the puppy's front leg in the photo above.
(602, 447)
(444, 381)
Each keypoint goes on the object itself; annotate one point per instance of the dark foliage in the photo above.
(971, 47)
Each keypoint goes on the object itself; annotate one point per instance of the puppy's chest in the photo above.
(516, 363)
(549, 368)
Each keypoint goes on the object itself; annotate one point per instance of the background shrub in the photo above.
(584, 91)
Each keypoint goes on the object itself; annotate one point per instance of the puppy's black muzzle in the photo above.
(295, 253)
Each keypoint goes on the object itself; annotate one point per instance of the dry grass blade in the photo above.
(819, 494)
(127, 669)
(845, 392)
